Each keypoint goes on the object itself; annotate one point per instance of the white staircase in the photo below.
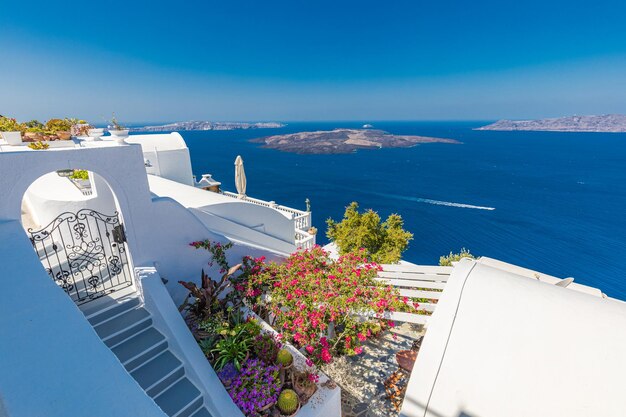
(126, 327)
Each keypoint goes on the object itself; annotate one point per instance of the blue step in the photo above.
(181, 399)
(159, 373)
(104, 312)
(203, 412)
(140, 348)
(124, 326)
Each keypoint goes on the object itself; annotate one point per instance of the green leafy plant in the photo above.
(114, 124)
(36, 125)
(384, 242)
(288, 401)
(236, 343)
(455, 257)
(80, 174)
(8, 124)
(58, 125)
(38, 146)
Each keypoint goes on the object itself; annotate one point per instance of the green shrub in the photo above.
(34, 124)
(455, 257)
(8, 124)
(384, 242)
(38, 146)
(58, 125)
(80, 174)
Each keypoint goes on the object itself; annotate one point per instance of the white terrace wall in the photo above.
(52, 361)
(501, 344)
(168, 155)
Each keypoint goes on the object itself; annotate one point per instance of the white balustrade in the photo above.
(302, 219)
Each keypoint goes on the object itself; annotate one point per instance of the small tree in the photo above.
(455, 257)
(384, 242)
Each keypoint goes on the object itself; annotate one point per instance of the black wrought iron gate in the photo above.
(85, 253)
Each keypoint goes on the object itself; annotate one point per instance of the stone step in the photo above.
(123, 326)
(182, 399)
(108, 310)
(159, 373)
(139, 349)
(203, 412)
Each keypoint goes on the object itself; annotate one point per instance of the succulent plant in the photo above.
(284, 357)
(288, 402)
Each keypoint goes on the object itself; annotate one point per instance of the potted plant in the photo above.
(118, 131)
(11, 130)
(80, 129)
(256, 387)
(284, 358)
(305, 384)
(312, 230)
(38, 146)
(288, 403)
(59, 129)
(81, 178)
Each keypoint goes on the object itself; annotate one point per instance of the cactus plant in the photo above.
(288, 402)
(284, 358)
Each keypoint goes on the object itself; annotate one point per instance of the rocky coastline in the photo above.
(612, 123)
(343, 141)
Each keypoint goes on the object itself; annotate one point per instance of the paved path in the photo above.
(361, 377)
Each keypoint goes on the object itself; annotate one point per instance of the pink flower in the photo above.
(310, 349)
(358, 350)
(326, 356)
(361, 337)
(309, 363)
(324, 342)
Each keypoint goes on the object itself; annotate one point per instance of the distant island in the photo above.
(604, 123)
(342, 141)
(203, 125)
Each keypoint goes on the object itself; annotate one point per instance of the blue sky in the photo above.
(315, 60)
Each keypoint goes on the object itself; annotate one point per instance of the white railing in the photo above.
(302, 219)
(304, 240)
(423, 282)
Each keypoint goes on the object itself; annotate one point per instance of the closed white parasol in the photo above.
(240, 177)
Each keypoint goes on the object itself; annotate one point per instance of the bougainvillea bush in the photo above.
(327, 307)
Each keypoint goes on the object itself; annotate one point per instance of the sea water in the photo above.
(550, 201)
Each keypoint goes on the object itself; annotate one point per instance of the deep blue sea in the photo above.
(558, 199)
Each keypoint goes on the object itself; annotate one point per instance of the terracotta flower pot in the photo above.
(304, 390)
(64, 135)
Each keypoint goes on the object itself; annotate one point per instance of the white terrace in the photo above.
(96, 332)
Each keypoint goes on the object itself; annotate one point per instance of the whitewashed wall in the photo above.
(168, 155)
(53, 363)
(501, 344)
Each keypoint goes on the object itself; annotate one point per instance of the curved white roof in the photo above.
(160, 141)
(504, 344)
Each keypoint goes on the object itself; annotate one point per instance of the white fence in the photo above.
(416, 281)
